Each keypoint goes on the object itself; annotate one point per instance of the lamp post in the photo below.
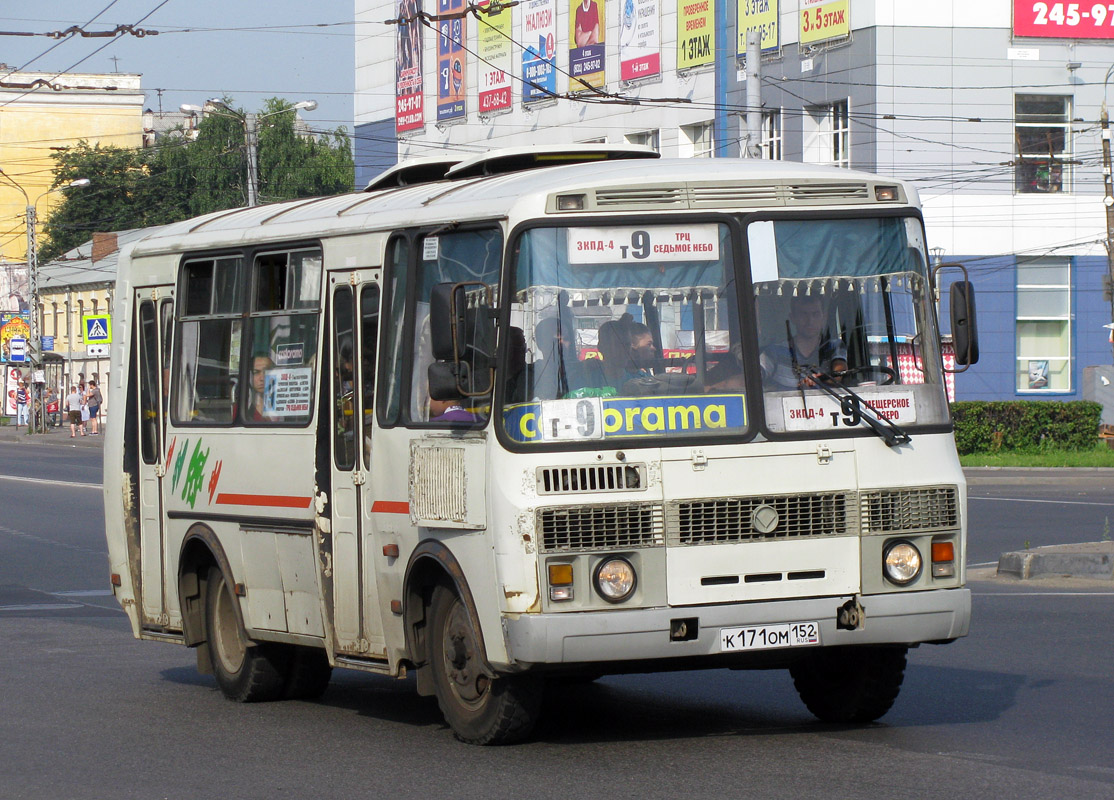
(1108, 193)
(250, 125)
(32, 219)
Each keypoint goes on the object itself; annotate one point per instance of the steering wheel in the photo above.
(886, 374)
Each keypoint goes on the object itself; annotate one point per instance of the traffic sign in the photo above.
(97, 329)
(96, 350)
(17, 350)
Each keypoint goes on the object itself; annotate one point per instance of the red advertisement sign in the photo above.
(409, 114)
(1063, 20)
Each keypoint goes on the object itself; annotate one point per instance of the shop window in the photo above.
(827, 131)
(1044, 326)
(1042, 130)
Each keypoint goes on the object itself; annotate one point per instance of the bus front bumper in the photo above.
(644, 633)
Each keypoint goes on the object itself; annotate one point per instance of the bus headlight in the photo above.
(615, 579)
(901, 562)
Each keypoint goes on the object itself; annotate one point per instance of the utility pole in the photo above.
(1108, 201)
(251, 143)
(754, 95)
(33, 339)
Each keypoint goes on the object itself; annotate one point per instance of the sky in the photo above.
(248, 50)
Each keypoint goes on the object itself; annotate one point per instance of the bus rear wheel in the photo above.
(850, 684)
(245, 671)
(479, 709)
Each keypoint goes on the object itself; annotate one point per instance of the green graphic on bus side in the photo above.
(195, 475)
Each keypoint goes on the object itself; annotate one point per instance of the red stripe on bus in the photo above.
(267, 500)
(390, 507)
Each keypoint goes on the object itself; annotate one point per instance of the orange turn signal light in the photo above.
(560, 574)
(943, 551)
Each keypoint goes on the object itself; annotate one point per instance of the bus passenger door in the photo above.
(154, 313)
(357, 625)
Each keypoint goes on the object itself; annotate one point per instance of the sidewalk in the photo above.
(56, 436)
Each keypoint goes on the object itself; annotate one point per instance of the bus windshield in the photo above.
(624, 332)
(844, 304)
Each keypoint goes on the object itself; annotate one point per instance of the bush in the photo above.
(1025, 425)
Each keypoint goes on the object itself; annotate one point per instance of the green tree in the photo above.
(183, 177)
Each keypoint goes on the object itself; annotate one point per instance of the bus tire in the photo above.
(309, 673)
(480, 710)
(246, 672)
(850, 684)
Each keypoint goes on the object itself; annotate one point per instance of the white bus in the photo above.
(542, 415)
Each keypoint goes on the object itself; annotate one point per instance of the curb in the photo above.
(1086, 560)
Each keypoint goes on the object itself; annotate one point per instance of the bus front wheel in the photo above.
(478, 708)
(245, 671)
(850, 684)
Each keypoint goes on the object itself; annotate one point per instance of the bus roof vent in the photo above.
(413, 171)
(653, 196)
(738, 195)
(517, 159)
(828, 192)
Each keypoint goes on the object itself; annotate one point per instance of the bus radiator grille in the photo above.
(592, 478)
(600, 527)
(739, 519)
(921, 509)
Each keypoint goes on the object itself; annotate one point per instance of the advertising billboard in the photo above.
(639, 40)
(1063, 20)
(696, 33)
(821, 20)
(451, 61)
(494, 37)
(539, 42)
(409, 115)
(587, 35)
(762, 16)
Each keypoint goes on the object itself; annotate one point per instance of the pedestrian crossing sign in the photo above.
(97, 329)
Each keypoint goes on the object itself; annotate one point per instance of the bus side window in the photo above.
(392, 379)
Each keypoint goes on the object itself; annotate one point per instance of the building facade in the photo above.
(992, 109)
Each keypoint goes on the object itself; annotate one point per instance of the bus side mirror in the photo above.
(462, 334)
(445, 328)
(964, 330)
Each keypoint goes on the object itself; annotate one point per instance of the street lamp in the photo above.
(249, 122)
(32, 216)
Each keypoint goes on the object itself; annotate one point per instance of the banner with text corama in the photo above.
(761, 16)
(587, 53)
(639, 40)
(696, 33)
(451, 64)
(409, 115)
(494, 34)
(1063, 20)
(539, 43)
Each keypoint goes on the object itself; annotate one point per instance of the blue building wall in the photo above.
(376, 149)
(995, 282)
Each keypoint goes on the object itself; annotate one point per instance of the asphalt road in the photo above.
(1019, 708)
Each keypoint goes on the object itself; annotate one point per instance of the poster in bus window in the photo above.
(762, 16)
(451, 61)
(13, 325)
(639, 40)
(494, 36)
(821, 20)
(696, 33)
(587, 32)
(539, 43)
(286, 392)
(409, 114)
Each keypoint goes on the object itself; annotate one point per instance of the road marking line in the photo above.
(1038, 593)
(53, 482)
(42, 607)
(84, 593)
(1054, 502)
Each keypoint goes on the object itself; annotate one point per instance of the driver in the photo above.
(807, 347)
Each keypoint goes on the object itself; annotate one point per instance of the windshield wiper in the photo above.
(887, 429)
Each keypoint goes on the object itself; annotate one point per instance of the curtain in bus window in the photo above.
(851, 247)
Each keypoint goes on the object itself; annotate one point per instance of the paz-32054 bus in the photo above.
(565, 412)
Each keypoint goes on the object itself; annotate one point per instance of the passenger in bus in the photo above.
(628, 354)
(450, 411)
(259, 367)
(808, 347)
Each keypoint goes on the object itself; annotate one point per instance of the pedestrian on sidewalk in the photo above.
(21, 404)
(93, 399)
(73, 406)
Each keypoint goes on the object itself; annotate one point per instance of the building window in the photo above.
(828, 134)
(1044, 325)
(651, 139)
(771, 135)
(697, 140)
(1042, 128)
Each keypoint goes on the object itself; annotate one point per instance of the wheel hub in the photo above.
(468, 681)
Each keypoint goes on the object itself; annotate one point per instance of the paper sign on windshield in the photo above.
(823, 412)
(651, 243)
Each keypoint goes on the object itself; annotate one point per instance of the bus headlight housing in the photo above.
(901, 562)
(615, 580)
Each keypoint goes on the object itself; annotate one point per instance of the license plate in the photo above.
(768, 637)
